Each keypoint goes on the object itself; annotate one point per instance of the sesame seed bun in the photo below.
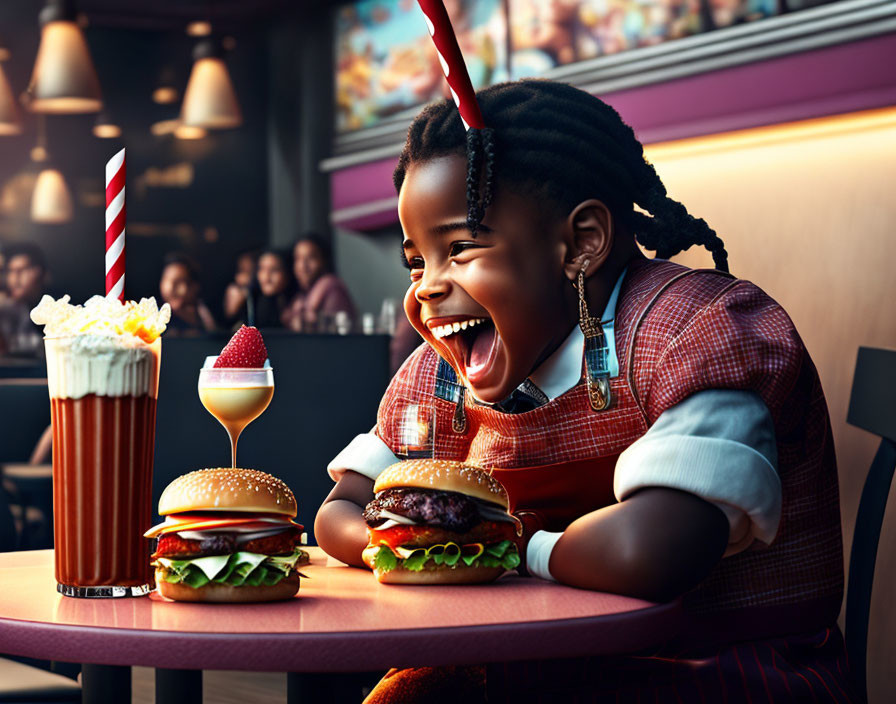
(227, 593)
(443, 475)
(227, 489)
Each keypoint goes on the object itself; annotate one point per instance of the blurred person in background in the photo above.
(27, 277)
(321, 293)
(4, 295)
(237, 298)
(179, 287)
(275, 289)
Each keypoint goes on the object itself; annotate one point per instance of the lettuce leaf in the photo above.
(236, 569)
(503, 554)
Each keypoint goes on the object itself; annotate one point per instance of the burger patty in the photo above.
(171, 545)
(444, 509)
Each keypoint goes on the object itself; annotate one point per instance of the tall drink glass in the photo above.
(103, 386)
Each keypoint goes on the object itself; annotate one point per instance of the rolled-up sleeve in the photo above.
(367, 454)
(717, 444)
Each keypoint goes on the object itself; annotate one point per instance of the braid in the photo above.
(563, 146)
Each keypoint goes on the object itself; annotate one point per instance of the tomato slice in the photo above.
(486, 532)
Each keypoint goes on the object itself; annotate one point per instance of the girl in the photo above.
(275, 288)
(321, 293)
(661, 431)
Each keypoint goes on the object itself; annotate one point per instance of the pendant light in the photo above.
(105, 128)
(64, 79)
(51, 202)
(210, 101)
(10, 119)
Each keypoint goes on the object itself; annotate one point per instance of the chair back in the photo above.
(872, 408)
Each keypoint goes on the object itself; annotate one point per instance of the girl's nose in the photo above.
(433, 285)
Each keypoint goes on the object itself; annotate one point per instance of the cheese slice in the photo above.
(183, 522)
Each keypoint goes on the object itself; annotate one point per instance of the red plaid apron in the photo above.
(678, 331)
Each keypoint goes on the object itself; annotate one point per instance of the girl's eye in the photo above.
(458, 247)
(415, 263)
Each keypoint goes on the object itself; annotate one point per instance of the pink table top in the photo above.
(342, 620)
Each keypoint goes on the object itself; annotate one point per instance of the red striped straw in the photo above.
(452, 62)
(115, 217)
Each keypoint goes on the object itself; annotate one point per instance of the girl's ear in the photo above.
(590, 234)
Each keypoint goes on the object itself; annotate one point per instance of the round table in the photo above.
(342, 620)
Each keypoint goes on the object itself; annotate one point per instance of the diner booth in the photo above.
(773, 121)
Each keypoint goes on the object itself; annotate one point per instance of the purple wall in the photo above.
(838, 79)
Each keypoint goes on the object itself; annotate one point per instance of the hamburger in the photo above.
(228, 536)
(439, 522)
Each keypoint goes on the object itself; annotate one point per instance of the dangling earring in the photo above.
(597, 368)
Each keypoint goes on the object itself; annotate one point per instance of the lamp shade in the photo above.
(51, 202)
(10, 120)
(210, 101)
(64, 79)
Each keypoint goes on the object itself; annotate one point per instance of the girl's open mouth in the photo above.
(473, 344)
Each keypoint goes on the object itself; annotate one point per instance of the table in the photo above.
(342, 621)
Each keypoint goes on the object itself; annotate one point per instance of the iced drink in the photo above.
(103, 377)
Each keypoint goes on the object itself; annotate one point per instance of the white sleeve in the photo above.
(367, 454)
(720, 445)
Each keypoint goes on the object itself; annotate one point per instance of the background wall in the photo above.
(207, 197)
(807, 213)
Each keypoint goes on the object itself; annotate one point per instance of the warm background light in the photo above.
(807, 212)
(189, 132)
(210, 101)
(64, 79)
(52, 201)
(199, 29)
(165, 95)
(106, 131)
(10, 119)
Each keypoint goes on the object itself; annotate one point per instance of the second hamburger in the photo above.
(439, 522)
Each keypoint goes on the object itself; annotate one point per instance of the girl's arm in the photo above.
(338, 527)
(655, 545)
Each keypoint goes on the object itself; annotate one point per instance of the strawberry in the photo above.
(245, 349)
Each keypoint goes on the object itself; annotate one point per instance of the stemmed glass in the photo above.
(236, 397)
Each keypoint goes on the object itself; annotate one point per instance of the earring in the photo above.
(596, 363)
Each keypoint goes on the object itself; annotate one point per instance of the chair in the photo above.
(871, 407)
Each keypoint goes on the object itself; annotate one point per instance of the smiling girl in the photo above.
(661, 431)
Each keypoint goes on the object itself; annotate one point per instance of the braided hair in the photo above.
(562, 145)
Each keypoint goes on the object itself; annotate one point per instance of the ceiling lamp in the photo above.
(104, 128)
(189, 132)
(10, 120)
(51, 203)
(210, 101)
(64, 79)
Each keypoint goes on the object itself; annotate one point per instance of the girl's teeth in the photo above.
(451, 328)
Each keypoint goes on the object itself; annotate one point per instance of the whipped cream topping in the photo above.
(102, 365)
(104, 347)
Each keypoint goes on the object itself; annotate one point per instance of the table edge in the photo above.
(617, 633)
